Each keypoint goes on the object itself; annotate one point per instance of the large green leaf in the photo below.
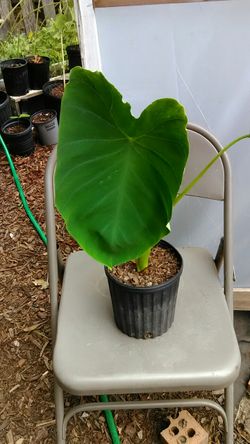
(117, 176)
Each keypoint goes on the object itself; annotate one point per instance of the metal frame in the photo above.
(55, 267)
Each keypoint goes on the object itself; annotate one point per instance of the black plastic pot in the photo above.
(47, 129)
(145, 312)
(5, 108)
(38, 72)
(74, 56)
(32, 104)
(20, 143)
(15, 75)
(52, 102)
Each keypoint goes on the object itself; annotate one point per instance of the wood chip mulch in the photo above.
(26, 382)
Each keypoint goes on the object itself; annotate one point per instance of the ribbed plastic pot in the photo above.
(47, 130)
(15, 75)
(20, 143)
(74, 56)
(5, 107)
(52, 102)
(38, 72)
(145, 312)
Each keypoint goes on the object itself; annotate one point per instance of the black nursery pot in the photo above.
(145, 312)
(74, 56)
(5, 107)
(15, 75)
(20, 142)
(51, 101)
(38, 72)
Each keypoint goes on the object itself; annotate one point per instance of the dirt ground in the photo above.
(26, 382)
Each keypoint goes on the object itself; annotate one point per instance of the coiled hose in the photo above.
(103, 398)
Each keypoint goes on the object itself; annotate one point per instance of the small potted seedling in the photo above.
(38, 68)
(17, 134)
(116, 183)
(46, 125)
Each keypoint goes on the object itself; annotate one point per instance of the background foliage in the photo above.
(46, 40)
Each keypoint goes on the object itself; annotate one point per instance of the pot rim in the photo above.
(73, 48)
(43, 111)
(7, 62)
(8, 123)
(45, 58)
(153, 287)
(48, 86)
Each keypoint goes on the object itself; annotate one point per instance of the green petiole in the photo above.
(201, 174)
(142, 261)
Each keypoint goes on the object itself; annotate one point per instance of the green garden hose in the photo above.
(103, 398)
(110, 422)
(21, 194)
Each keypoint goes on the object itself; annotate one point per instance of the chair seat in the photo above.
(199, 351)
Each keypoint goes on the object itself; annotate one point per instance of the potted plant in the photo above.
(15, 75)
(17, 134)
(38, 69)
(116, 183)
(45, 123)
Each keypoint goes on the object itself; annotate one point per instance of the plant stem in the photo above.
(201, 174)
(64, 81)
(142, 261)
(37, 14)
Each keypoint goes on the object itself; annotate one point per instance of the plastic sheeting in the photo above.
(198, 53)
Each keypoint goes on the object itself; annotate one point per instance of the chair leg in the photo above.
(229, 408)
(59, 403)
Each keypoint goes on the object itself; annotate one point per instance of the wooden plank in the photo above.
(5, 8)
(111, 3)
(242, 299)
(48, 9)
(28, 15)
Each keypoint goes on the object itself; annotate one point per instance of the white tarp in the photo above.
(198, 53)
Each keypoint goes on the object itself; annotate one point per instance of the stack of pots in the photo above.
(20, 75)
(17, 132)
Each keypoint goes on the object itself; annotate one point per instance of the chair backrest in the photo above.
(203, 148)
(215, 185)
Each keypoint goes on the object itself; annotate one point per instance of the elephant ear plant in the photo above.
(116, 182)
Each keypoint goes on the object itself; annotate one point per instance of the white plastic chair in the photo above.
(199, 352)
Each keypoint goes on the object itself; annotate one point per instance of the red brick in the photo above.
(184, 430)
